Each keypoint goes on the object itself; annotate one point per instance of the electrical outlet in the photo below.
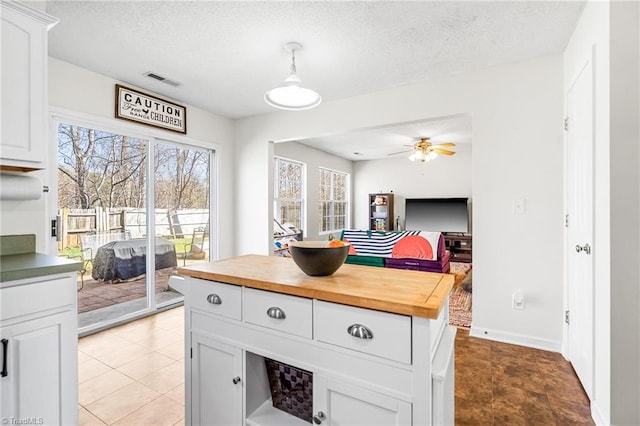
(517, 300)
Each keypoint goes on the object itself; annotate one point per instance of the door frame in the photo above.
(153, 136)
(588, 62)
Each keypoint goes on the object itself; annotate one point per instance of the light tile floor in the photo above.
(134, 374)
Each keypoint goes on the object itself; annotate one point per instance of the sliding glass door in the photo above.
(112, 216)
(182, 200)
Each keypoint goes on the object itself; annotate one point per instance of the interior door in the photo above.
(580, 251)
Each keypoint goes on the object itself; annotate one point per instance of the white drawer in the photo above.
(289, 314)
(216, 298)
(37, 296)
(390, 333)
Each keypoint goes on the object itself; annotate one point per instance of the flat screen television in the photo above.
(437, 214)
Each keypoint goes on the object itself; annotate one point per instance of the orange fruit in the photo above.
(335, 243)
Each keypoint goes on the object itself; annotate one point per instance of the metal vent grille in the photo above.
(162, 79)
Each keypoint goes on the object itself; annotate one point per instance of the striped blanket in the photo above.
(399, 244)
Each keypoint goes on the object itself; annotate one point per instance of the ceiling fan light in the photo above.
(430, 156)
(422, 155)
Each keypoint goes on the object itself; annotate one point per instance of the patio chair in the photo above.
(194, 249)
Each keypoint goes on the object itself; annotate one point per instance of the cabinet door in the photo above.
(41, 366)
(24, 101)
(346, 404)
(216, 393)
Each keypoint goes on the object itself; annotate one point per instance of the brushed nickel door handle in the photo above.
(586, 248)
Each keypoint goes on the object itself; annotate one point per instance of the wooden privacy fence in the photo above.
(133, 221)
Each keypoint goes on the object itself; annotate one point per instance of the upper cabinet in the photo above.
(24, 86)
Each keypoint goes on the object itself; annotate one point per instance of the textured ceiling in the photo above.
(226, 54)
(396, 141)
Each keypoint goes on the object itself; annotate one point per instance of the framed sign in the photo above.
(136, 106)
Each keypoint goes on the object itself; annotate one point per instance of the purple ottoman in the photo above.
(442, 265)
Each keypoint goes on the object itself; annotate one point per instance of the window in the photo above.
(332, 197)
(289, 192)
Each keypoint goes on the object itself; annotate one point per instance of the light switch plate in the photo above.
(518, 206)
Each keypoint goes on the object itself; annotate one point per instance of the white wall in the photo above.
(443, 177)
(27, 217)
(625, 211)
(314, 158)
(517, 145)
(92, 95)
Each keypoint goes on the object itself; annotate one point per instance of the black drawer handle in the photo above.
(5, 344)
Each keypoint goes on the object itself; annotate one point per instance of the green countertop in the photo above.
(30, 265)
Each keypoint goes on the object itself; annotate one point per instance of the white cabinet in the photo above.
(386, 378)
(24, 86)
(337, 402)
(216, 386)
(39, 351)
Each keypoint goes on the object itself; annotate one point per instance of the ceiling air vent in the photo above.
(162, 79)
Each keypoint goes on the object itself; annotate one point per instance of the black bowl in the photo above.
(316, 258)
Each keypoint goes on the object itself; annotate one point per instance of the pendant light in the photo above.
(290, 95)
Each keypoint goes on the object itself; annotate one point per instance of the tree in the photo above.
(98, 168)
(102, 166)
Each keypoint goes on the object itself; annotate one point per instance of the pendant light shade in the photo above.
(290, 95)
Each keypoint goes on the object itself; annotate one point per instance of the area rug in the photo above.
(460, 308)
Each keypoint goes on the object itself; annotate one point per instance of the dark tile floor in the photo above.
(502, 384)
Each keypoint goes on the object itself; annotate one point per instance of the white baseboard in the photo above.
(515, 339)
(597, 416)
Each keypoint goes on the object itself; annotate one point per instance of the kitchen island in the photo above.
(373, 345)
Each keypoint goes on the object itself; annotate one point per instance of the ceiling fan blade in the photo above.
(442, 151)
(400, 152)
(444, 144)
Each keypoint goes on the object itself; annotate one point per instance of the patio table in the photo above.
(123, 260)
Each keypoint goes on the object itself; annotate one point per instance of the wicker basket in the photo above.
(291, 389)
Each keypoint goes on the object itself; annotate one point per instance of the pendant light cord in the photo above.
(293, 61)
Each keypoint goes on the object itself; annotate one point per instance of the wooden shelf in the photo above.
(381, 216)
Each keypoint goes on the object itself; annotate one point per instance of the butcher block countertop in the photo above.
(415, 293)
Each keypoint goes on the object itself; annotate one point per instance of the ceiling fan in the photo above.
(423, 150)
